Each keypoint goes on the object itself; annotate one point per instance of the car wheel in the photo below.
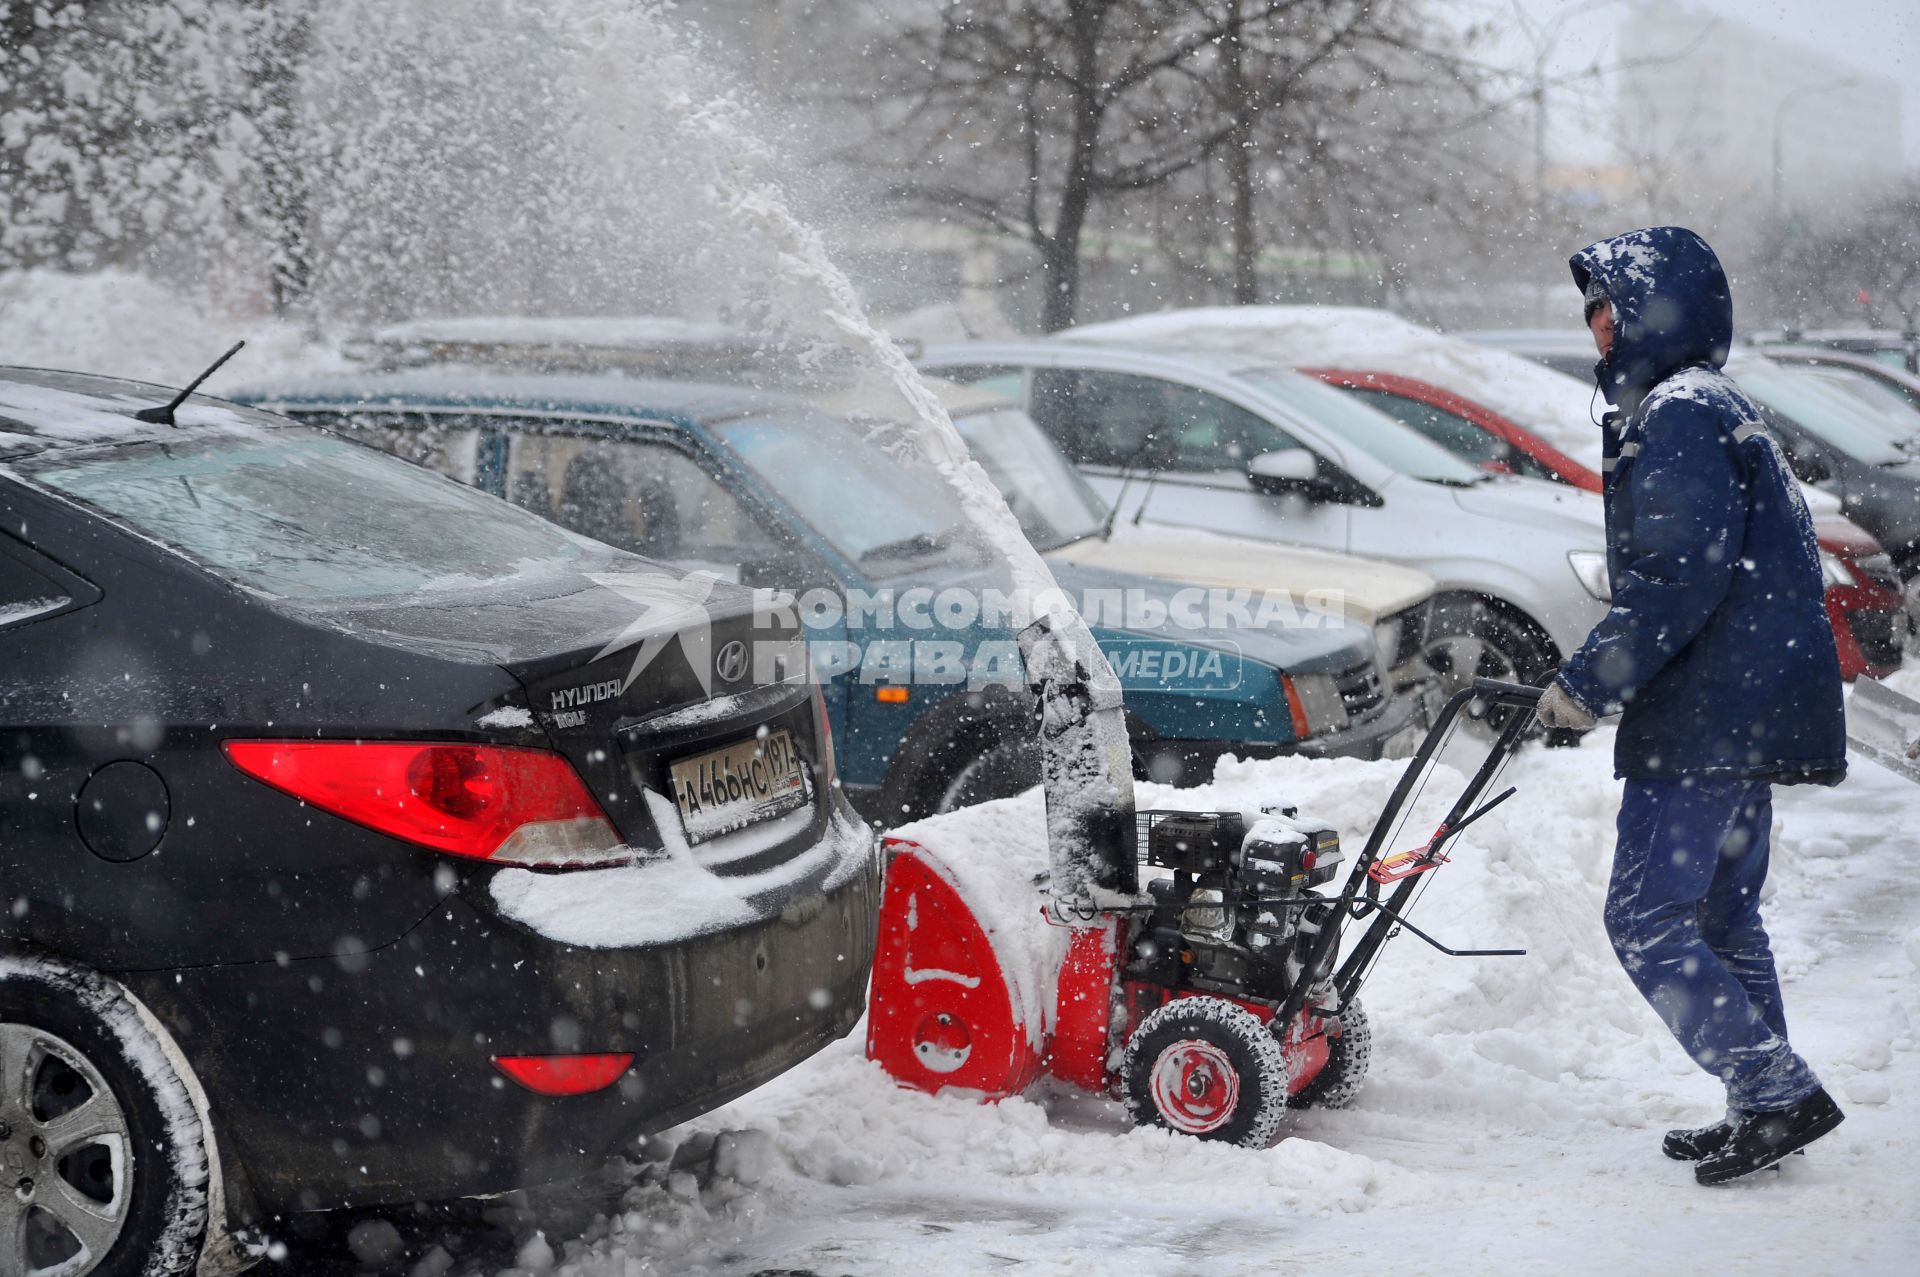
(1001, 770)
(103, 1159)
(1470, 639)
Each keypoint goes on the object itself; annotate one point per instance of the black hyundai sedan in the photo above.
(365, 839)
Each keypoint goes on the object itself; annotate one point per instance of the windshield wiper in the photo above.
(908, 547)
(1126, 481)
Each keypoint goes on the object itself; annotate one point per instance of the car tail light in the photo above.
(498, 803)
(564, 1074)
(825, 732)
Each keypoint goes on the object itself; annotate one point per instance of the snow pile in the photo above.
(120, 323)
(1357, 339)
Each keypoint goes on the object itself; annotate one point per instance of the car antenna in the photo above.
(163, 415)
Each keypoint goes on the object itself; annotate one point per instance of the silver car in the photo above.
(1254, 449)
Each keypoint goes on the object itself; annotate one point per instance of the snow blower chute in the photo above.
(1211, 1002)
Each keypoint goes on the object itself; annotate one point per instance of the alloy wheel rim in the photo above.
(65, 1161)
(1458, 659)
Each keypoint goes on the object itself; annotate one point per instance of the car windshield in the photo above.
(1824, 412)
(1871, 393)
(1393, 444)
(884, 515)
(305, 517)
(1054, 504)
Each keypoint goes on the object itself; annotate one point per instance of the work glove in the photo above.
(1559, 710)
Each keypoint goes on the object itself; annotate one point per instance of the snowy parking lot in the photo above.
(1511, 1122)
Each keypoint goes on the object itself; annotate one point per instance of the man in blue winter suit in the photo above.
(1717, 655)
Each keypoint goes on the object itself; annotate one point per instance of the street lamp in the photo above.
(1779, 120)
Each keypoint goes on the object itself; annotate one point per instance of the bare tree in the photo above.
(1024, 114)
(1035, 118)
(1865, 272)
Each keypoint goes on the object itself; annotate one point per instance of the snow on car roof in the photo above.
(567, 330)
(41, 408)
(1227, 362)
(1362, 339)
(659, 347)
(692, 403)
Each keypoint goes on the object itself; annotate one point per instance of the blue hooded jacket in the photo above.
(1717, 648)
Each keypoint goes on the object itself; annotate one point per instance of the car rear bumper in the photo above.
(368, 1079)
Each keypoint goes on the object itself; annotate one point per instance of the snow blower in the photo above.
(1211, 1002)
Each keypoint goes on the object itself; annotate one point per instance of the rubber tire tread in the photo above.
(1255, 1054)
(1348, 1057)
(76, 1006)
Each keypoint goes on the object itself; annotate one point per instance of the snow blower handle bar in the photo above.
(1516, 694)
(1362, 893)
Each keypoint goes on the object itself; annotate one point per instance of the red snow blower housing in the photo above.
(1213, 1001)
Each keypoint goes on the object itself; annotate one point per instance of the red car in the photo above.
(1864, 600)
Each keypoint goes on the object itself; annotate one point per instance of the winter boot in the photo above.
(1701, 1141)
(1758, 1140)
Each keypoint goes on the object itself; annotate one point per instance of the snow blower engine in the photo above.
(1213, 1001)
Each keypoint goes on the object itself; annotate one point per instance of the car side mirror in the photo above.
(1297, 472)
(1288, 470)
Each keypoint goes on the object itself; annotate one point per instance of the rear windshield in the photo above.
(1871, 393)
(1824, 412)
(306, 517)
(887, 515)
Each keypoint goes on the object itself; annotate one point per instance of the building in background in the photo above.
(1756, 126)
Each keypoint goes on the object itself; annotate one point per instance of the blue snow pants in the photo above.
(1683, 912)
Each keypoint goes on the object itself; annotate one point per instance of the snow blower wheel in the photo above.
(1207, 1068)
(1348, 1055)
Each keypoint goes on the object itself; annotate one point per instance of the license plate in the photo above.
(728, 789)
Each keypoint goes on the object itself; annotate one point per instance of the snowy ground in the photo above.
(1511, 1122)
